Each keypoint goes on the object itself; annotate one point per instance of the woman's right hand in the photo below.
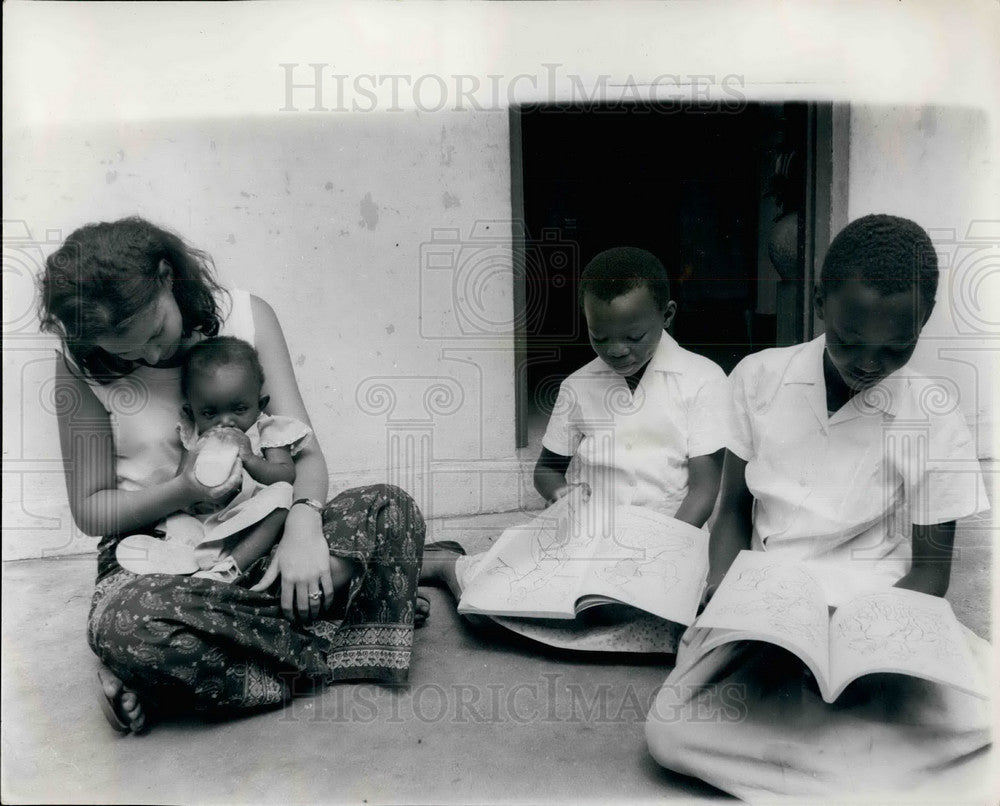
(198, 491)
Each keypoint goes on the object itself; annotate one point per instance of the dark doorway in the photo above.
(700, 188)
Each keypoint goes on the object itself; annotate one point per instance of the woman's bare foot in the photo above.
(121, 705)
(438, 569)
(421, 610)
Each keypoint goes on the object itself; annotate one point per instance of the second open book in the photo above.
(576, 555)
(899, 631)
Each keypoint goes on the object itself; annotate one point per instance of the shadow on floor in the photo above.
(487, 717)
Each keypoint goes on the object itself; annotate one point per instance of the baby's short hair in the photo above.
(220, 351)
(617, 271)
(885, 252)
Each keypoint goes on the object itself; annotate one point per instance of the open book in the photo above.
(575, 555)
(894, 630)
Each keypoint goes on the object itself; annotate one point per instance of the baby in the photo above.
(221, 383)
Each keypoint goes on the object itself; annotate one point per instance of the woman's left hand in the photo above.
(302, 563)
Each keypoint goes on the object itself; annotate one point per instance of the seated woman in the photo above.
(642, 424)
(129, 300)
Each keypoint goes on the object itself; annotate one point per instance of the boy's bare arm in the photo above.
(704, 475)
(930, 570)
(275, 465)
(732, 530)
(550, 474)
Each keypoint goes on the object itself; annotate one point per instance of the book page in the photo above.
(650, 561)
(900, 631)
(765, 599)
(533, 569)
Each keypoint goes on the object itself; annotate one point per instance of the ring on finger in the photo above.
(315, 596)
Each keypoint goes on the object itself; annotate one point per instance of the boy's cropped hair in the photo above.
(617, 271)
(219, 351)
(885, 252)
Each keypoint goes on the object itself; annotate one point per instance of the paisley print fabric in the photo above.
(208, 645)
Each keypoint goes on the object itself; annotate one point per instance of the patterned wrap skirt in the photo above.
(203, 644)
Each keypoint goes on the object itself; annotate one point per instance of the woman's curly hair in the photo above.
(105, 274)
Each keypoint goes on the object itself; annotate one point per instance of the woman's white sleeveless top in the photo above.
(145, 407)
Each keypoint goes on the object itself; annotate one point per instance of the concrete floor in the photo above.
(486, 718)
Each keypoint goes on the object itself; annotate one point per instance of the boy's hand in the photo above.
(579, 487)
(930, 568)
(931, 582)
(706, 597)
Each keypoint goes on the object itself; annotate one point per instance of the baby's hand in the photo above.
(241, 440)
(202, 492)
(218, 451)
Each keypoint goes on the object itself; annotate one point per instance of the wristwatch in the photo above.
(309, 502)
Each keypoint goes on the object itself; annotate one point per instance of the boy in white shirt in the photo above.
(642, 424)
(842, 458)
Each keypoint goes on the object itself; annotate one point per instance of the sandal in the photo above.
(109, 707)
(445, 545)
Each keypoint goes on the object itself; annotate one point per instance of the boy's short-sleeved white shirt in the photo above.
(843, 491)
(633, 448)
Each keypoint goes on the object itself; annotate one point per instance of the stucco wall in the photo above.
(381, 241)
(937, 165)
(171, 111)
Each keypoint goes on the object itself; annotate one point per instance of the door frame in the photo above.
(827, 173)
(518, 263)
(827, 165)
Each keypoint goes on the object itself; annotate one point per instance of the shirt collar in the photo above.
(665, 356)
(806, 366)
(806, 369)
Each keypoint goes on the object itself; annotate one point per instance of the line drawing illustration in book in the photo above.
(577, 555)
(894, 630)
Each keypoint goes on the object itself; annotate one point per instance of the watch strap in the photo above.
(311, 503)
